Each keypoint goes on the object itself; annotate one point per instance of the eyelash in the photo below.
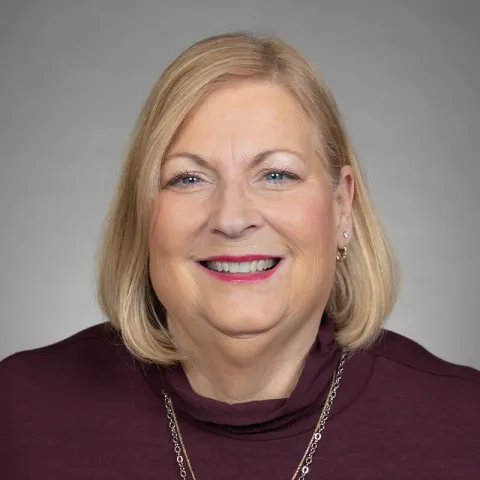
(182, 174)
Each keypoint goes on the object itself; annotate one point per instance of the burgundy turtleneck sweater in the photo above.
(83, 408)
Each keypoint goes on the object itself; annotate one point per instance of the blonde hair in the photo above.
(366, 283)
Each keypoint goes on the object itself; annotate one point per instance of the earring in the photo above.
(342, 254)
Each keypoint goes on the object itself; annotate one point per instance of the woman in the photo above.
(245, 277)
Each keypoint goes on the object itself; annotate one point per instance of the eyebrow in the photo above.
(257, 159)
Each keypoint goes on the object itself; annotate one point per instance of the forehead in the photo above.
(245, 116)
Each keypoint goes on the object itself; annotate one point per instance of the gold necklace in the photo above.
(307, 459)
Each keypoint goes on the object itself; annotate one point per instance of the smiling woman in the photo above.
(243, 153)
(241, 141)
(246, 278)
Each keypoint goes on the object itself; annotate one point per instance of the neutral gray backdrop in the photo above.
(73, 76)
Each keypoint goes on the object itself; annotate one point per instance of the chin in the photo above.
(244, 324)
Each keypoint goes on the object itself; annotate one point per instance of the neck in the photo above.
(236, 370)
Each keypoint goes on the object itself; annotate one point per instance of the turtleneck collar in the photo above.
(266, 419)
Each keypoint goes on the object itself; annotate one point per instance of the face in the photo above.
(246, 224)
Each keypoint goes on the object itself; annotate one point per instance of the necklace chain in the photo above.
(307, 459)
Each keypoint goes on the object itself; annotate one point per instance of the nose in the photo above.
(235, 213)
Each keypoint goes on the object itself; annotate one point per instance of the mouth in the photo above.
(241, 269)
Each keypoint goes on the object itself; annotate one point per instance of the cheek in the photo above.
(172, 234)
(173, 228)
(308, 221)
(309, 226)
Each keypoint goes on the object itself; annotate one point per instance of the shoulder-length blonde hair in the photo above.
(365, 285)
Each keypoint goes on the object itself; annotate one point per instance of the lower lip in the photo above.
(253, 277)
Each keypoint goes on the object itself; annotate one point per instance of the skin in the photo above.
(245, 342)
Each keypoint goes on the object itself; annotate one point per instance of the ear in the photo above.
(343, 201)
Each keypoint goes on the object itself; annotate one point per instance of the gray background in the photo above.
(74, 75)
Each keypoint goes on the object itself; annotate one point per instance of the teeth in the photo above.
(242, 267)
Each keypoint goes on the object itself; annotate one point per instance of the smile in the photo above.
(242, 267)
(245, 269)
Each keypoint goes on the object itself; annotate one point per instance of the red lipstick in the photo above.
(250, 277)
(238, 259)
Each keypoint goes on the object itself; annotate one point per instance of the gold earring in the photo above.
(342, 254)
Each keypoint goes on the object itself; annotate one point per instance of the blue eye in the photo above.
(276, 176)
(184, 179)
(189, 180)
(280, 176)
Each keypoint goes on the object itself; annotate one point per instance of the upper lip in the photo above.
(237, 259)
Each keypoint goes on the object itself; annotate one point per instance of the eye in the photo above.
(280, 176)
(189, 180)
(184, 179)
(275, 176)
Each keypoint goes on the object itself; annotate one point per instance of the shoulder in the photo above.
(92, 340)
(68, 397)
(404, 353)
(422, 409)
(86, 358)
(411, 376)
(430, 398)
